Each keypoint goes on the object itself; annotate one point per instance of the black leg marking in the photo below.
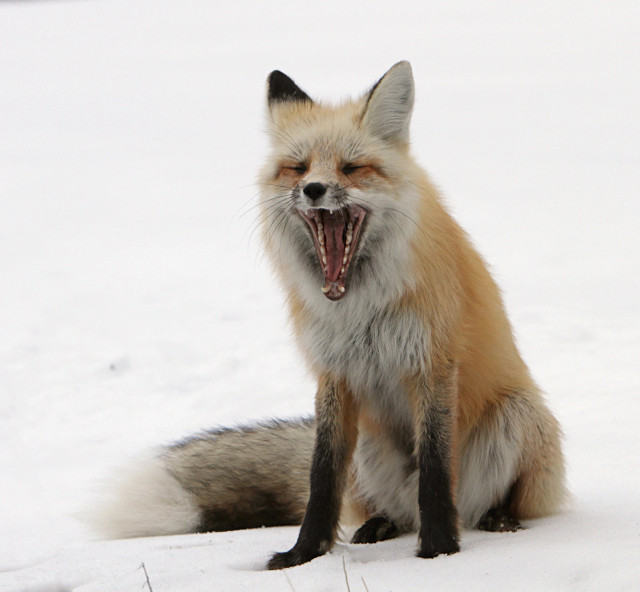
(438, 514)
(331, 455)
(499, 520)
(374, 530)
(317, 530)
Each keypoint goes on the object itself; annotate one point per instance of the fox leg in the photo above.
(499, 518)
(540, 487)
(336, 434)
(434, 398)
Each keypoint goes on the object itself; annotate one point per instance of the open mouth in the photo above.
(335, 234)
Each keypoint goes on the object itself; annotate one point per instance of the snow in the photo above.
(137, 307)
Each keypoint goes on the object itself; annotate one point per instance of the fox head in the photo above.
(337, 197)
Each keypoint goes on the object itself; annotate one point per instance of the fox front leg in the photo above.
(336, 433)
(435, 399)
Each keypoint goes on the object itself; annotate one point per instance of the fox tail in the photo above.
(219, 479)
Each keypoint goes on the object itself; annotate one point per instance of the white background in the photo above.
(136, 306)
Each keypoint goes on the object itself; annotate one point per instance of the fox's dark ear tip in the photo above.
(275, 76)
(282, 88)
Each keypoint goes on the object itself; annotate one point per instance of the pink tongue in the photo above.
(334, 247)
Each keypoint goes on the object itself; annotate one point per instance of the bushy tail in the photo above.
(222, 479)
(144, 500)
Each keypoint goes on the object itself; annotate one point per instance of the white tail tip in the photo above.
(144, 500)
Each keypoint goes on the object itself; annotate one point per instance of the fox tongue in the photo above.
(334, 245)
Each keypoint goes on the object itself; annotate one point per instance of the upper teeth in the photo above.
(321, 242)
(349, 233)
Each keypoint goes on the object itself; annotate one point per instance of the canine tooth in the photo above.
(341, 289)
(325, 289)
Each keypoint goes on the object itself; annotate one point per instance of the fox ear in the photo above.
(281, 89)
(388, 107)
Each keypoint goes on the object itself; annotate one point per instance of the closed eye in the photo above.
(348, 169)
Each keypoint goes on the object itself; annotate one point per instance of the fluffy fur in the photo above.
(418, 346)
(145, 500)
(426, 415)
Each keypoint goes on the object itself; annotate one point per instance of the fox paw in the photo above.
(431, 547)
(374, 530)
(499, 520)
(290, 559)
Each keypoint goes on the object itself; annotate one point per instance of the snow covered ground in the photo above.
(136, 306)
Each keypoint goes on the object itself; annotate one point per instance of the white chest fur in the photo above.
(371, 348)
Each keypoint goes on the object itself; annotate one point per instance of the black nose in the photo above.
(315, 190)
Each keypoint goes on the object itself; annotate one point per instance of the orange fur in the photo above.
(428, 336)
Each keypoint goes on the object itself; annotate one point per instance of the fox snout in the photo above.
(321, 195)
(314, 191)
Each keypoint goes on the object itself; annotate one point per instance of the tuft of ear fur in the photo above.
(388, 107)
(280, 88)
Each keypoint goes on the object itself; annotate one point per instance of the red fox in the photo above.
(426, 417)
